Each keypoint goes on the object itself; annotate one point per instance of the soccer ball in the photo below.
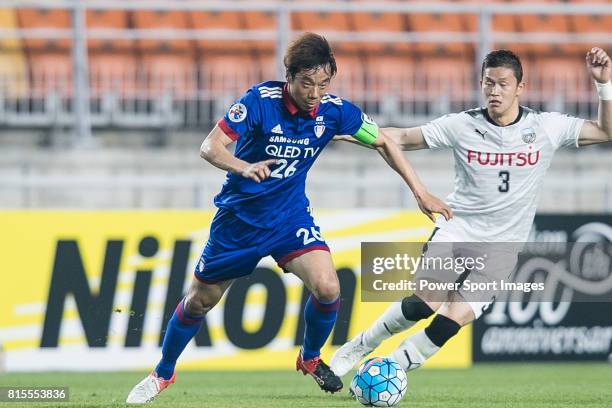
(379, 382)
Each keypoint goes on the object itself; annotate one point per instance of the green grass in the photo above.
(486, 385)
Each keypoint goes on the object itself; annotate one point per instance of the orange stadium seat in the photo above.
(161, 20)
(201, 20)
(593, 23)
(117, 19)
(350, 77)
(451, 78)
(45, 18)
(384, 22)
(506, 23)
(176, 74)
(266, 64)
(50, 72)
(221, 74)
(391, 75)
(320, 22)
(556, 76)
(113, 72)
(424, 22)
(256, 20)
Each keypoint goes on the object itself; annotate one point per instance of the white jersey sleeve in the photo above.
(441, 133)
(562, 129)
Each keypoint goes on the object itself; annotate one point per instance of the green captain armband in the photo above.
(368, 132)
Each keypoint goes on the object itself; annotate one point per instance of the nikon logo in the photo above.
(69, 277)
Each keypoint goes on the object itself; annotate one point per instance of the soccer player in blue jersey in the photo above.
(280, 128)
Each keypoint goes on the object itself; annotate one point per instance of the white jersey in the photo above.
(498, 170)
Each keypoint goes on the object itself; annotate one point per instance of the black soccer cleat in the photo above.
(323, 375)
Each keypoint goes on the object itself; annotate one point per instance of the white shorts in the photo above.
(477, 284)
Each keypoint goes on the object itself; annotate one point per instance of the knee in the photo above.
(415, 309)
(327, 291)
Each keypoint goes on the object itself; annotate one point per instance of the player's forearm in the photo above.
(394, 158)
(397, 136)
(218, 155)
(406, 138)
(604, 118)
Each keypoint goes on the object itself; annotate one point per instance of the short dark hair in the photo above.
(308, 52)
(503, 58)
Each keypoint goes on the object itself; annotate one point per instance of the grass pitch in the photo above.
(485, 385)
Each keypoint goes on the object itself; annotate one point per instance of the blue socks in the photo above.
(320, 318)
(181, 328)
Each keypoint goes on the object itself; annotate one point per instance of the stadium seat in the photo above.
(445, 78)
(551, 78)
(161, 20)
(12, 59)
(547, 23)
(45, 18)
(257, 20)
(117, 19)
(350, 80)
(590, 23)
(173, 74)
(201, 20)
(390, 77)
(113, 72)
(383, 22)
(229, 74)
(50, 72)
(446, 22)
(320, 22)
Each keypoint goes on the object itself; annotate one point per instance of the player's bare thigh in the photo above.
(202, 297)
(316, 269)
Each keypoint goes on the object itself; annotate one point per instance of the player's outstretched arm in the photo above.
(428, 203)
(406, 139)
(214, 150)
(600, 66)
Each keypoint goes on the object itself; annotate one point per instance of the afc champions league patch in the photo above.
(237, 112)
(319, 126)
(367, 119)
(528, 135)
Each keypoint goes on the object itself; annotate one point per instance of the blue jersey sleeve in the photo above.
(350, 118)
(243, 118)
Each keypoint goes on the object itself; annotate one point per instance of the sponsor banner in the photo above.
(573, 259)
(93, 291)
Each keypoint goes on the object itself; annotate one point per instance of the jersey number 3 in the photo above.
(505, 181)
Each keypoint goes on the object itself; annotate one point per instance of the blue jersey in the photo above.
(266, 124)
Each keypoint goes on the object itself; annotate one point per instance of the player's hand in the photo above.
(430, 204)
(599, 65)
(259, 171)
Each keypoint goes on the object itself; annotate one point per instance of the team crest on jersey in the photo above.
(367, 119)
(237, 112)
(528, 135)
(319, 126)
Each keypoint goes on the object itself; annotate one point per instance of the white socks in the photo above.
(414, 351)
(391, 322)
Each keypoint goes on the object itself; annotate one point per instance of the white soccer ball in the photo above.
(379, 382)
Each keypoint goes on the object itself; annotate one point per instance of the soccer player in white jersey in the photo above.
(502, 152)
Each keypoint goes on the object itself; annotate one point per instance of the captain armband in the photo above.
(368, 132)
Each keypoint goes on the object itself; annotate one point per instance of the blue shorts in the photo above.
(234, 248)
